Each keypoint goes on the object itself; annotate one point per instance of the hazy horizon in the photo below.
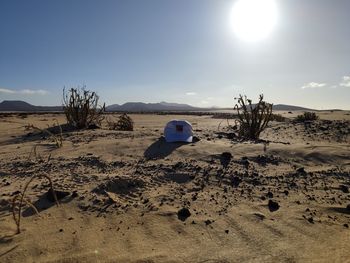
(175, 51)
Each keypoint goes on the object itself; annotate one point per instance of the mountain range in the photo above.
(16, 105)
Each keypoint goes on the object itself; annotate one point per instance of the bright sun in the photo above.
(253, 20)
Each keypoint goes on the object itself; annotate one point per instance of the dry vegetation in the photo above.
(124, 123)
(57, 138)
(253, 119)
(20, 199)
(81, 108)
(307, 116)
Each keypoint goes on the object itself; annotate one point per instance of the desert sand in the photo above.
(124, 191)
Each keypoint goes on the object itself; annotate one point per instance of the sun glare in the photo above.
(253, 20)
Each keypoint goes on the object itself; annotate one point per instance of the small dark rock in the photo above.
(74, 194)
(183, 214)
(344, 188)
(348, 207)
(15, 193)
(244, 161)
(269, 194)
(226, 231)
(301, 170)
(311, 220)
(226, 155)
(208, 222)
(236, 181)
(273, 206)
(346, 225)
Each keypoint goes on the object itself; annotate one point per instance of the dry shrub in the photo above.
(57, 138)
(252, 119)
(124, 123)
(19, 199)
(278, 118)
(306, 116)
(81, 108)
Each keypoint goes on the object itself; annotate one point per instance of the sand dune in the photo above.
(284, 200)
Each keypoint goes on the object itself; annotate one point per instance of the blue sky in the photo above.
(177, 51)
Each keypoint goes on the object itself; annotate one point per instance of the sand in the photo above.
(124, 191)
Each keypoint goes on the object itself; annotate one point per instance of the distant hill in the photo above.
(283, 107)
(17, 105)
(141, 106)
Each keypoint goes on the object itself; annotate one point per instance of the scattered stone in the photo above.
(236, 181)
(346, 225)
(311, 220)
(286, 192)
(183, 214)
(15, 193)
(74, 194)
(208, 222)
(344, 188)
(61, 230)
(226, 231)
(269, 194)
(301, 170)
(244, 161)
(273, 206)
(226, 155)
(348, 207)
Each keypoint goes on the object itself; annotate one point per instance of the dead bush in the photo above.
(252, 118)
(81, 108)
(306, 116)
(124, 123)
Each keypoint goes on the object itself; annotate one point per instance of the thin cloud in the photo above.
(8, 91)
(191, 93)
(24, 91)
(313, 85)
(345, 82)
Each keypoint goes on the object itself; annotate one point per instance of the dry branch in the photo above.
(21, 196)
